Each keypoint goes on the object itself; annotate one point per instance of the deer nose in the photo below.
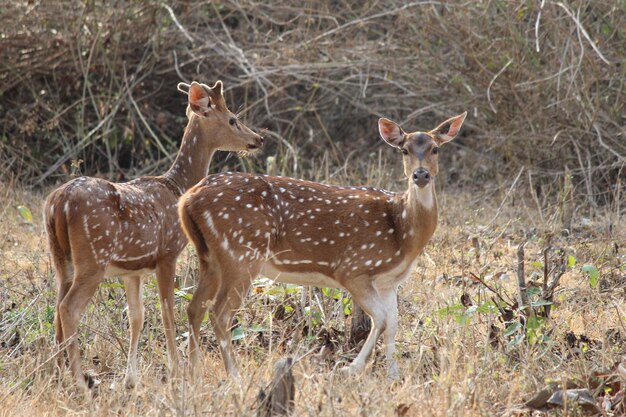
(421, 177)
(258, 142)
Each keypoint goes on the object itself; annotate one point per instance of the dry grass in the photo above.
(448, 368)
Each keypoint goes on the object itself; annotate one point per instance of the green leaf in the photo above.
(347, 306)
(284, 289)
(571, 261)
(258, 328)
(237, 333)
(464, 318)
(49, 314)
(471, 309)
(112, 285)
(25, 213)
(487, 307)
(183, 294)
(533, 323)
(593, 274)
(517, 340)
(540, 302)
(452, 310)
(538, 264)
(512, 328)
(332, 292)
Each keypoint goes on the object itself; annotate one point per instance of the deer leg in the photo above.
(208, 284)
(70, 312)
(133, 285)
(165, 271)
(228, 301)
(390, 302)
(369, 300)
(64, 279)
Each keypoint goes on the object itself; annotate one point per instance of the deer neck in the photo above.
(419, 215)
(194, 156)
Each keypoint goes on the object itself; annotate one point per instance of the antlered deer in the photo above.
(358, 238)
(97, 228)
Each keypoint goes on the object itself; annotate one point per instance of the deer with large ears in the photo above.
(97, 228)
(358, 238)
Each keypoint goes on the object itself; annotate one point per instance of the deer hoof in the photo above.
(130, 381)
(393, 373)
(89, 381)
(83, 387)
(350, 370)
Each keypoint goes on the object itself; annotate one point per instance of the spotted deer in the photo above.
(99, 229)
(362, 239)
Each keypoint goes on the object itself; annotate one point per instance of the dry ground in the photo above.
(449, 364)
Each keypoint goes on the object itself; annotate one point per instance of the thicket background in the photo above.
(543, 81)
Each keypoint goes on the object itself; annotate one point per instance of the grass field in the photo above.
(456, 359)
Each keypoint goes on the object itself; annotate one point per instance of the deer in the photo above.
(361, 239)
(98, 229)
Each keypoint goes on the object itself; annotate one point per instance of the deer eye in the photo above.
(232, 121)
(405, 151)
(435, 151)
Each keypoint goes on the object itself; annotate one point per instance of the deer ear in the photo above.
(391, 132)
(217, 95)
(183, 88)
(218, 88)
(199, 100)
(448, 130)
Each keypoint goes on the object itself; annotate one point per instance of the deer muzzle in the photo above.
(421, 177)
(258, 143)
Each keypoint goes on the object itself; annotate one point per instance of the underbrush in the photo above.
(91, 86)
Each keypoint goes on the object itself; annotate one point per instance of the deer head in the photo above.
(420, 149)
(208, 106)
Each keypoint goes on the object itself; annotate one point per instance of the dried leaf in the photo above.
(580, 396)
(540, 400)
(466, 300)
(494, 336)
(402, 409)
